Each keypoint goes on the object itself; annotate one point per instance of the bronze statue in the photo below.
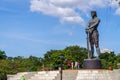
(93, 35)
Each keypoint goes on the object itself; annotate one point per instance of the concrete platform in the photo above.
(82, 74)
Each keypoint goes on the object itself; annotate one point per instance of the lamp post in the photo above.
(61, 57)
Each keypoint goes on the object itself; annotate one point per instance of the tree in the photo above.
(2, 55)
(36, 63)
(76, 53)
(73, 53)
(52, 58)
(108, 59)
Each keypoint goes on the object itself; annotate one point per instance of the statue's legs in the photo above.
(96, 38)
(92, 51)
(97, 48)
(91, 45)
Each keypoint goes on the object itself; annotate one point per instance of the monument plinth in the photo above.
(92, 64)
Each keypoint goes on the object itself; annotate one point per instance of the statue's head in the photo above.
(93, 14)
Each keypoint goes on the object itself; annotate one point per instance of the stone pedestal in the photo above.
(92, 64)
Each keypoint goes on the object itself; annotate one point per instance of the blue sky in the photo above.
(33, 27)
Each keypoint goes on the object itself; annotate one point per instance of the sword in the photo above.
(87, 32)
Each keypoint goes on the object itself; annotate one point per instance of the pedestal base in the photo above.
(92, 64)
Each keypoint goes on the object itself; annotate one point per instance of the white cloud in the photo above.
(118, 11)
(114, 3)
(65, 10)
(106, 50)
(73, 19)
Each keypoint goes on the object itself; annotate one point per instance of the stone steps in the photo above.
(29, 75)
(115, 74)
(17, 76)
(70, 75)
(43, 75)
(93, 75)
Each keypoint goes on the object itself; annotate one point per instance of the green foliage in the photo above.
(3, 76)
(3, 69)
(76, 53)
(2, 55)
(13, 65)
(109, 59)
(36, 63)
(73, 53)
(52, 60)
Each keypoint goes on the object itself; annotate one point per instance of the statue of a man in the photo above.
(93, 34)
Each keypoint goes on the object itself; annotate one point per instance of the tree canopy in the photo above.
(52, 60)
